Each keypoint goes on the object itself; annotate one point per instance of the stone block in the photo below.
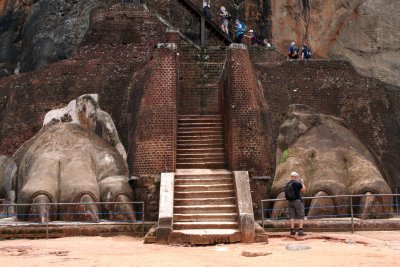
(166, 208)
(245, 207)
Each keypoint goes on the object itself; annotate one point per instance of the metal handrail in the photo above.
(335, 196)
(47, 205)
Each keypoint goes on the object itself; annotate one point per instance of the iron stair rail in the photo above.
(226, 39)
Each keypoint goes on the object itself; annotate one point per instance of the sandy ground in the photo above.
(362, 249)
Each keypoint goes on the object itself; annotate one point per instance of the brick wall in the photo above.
(106, 70)
(125, 24)
(154, 138)
(107, 63)
(200, 73)
(247, 123)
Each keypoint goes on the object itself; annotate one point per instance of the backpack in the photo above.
(290, 194)
(307, 53)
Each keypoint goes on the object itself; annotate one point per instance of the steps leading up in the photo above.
(200, 142)
(205, 208)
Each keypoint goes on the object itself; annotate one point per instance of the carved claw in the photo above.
(279, 207)
(122, 212)
(322, 207)
(372, 207)
(86, 212)
(40, 213)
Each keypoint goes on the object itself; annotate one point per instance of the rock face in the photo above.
(332, 161)
(36, 33)
(365, 32)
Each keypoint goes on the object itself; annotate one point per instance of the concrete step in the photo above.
(198, 116)
(200, 145)
(200, 129)
(200, 120)
(203, 132)
(203, 176)
(205, 225)
(200, 154)
(199, 137)
(208, 187)
(204, 194)
(183, 151)
(216, 165)
(200, 124)
(219, 141)
(200, 159)
(204, 201)
(206, 236)
(204, 217)
(202, 173)
(197, 181)
(205, 209)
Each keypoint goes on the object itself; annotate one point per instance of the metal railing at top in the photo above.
(352, 204)
(60, 210)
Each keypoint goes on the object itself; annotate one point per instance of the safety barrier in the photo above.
(350, 203)
(70, 210)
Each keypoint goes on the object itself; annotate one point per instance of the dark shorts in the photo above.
(296, 209)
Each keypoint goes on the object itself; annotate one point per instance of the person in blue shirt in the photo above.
(240, 29)
(293, 52)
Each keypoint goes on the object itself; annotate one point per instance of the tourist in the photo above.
(266, 43)
(240, 29)
(255, 38)
(305, 52)
(296, 207)
(225, 16)
(293, 51)
(206, 9)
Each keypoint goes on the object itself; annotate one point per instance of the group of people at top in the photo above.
(294, 52)
(240, 30)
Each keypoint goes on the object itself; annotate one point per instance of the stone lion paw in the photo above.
(66, 163)
(332, 160)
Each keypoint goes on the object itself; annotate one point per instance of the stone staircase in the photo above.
(200, 72)
(200, 142)
(205, 207)
(203, 203)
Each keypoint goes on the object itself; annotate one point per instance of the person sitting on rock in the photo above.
(266, 43)
(293, 52)
(255, 38)
(306, 52)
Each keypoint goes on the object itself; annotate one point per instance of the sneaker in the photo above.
(292, 232)
(301, 233)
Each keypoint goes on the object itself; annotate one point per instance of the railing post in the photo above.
(143, 231)
(47, 222)
(202, 31)
(262, 213)
(351, 212)
(397, 198)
